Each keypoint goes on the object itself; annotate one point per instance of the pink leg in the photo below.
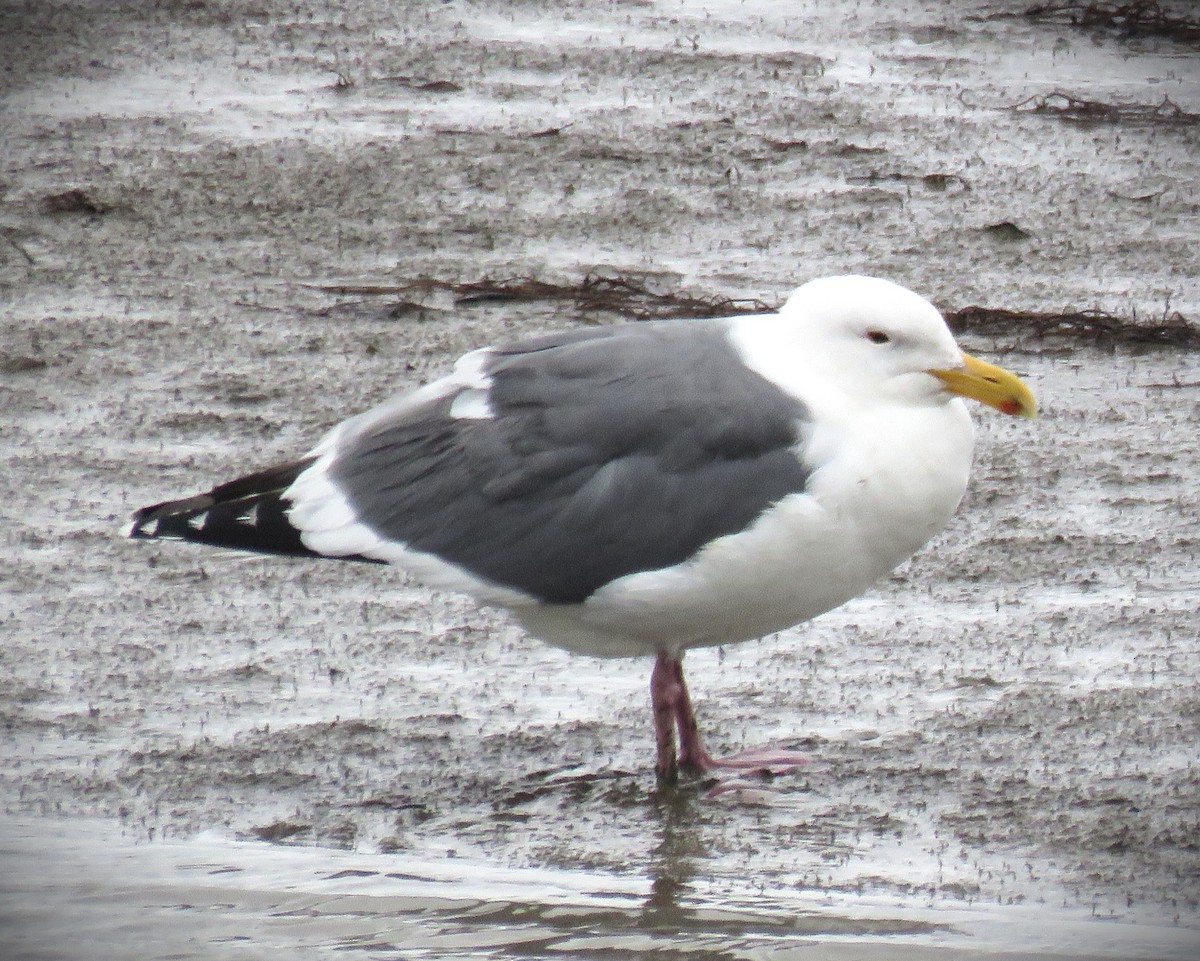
(662, 702)
(692, 753)
(673, 709)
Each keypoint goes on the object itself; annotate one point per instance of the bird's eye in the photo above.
(878, 337)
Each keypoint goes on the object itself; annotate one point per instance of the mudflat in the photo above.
(224, 226)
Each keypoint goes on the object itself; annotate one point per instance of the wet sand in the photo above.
(205, 213)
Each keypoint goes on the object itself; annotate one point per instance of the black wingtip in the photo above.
(248, 513)
(139, 527)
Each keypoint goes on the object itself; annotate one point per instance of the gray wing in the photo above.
(603, 453)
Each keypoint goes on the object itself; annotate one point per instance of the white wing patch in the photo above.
(325, 519)
(330, 525)
(469, 370)
(471, 405)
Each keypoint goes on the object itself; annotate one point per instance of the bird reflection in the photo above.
(674, 857)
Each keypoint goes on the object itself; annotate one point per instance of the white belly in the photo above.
(886, 489)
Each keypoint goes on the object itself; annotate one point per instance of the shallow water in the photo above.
(88, 891)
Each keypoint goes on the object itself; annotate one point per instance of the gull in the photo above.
(642, 489)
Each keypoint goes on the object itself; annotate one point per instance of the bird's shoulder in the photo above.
(651, 383)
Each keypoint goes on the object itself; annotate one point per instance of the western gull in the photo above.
(646, 488)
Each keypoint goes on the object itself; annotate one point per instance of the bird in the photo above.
(644, 488)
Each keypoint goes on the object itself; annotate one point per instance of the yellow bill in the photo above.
(989, 385)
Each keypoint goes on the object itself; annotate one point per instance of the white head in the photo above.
(874, 341)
